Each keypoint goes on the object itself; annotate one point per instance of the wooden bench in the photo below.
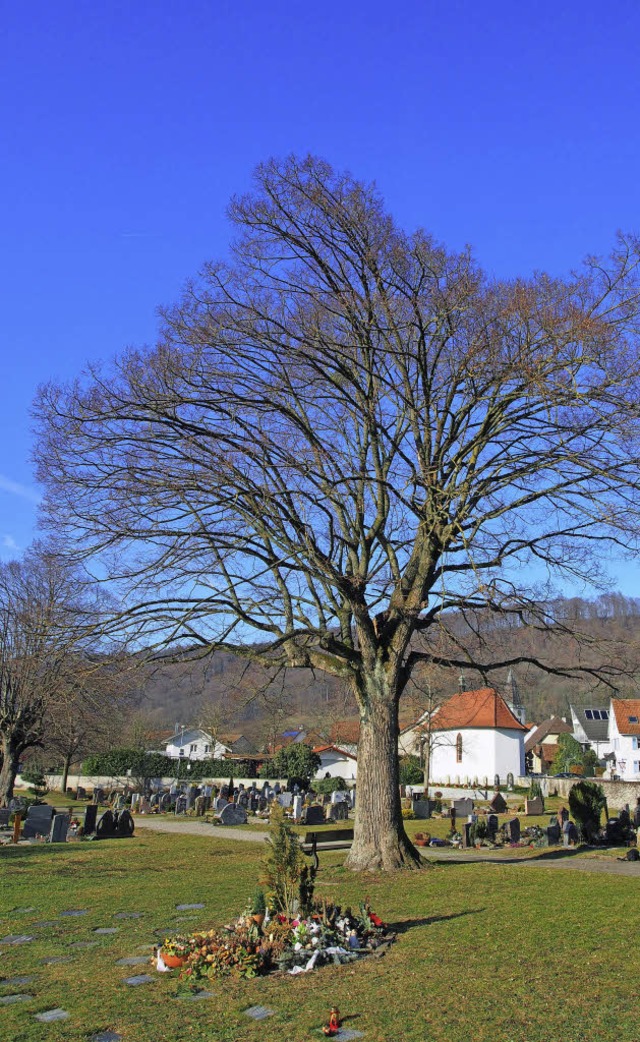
(328, 839)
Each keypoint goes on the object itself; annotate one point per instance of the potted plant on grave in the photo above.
(175, 950)
(258, 906)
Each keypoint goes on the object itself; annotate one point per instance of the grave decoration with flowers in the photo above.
(298, 933)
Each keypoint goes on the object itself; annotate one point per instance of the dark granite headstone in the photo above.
(314, 815)
(5, 814)
(106, 825)
(422, 808)
(498, 804)
(339, 811)
(466, 834)
(553, 834)
(90, 818)
(463, 807)
(125, 824)
(513, 830)
(59, 828)
(492, 826)
(233, 815)
(38, 821)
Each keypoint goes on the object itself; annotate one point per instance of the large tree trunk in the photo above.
(8, 770)
(379, 841)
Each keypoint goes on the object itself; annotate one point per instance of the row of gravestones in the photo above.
(42, 820)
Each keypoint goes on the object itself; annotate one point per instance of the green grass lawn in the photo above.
(488, 953)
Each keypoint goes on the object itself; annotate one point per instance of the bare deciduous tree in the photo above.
(346, 433)
(49, 615)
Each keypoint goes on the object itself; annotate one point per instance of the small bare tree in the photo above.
(49, 615)
(346, 434)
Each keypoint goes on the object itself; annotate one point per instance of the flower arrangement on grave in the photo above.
(297, 933)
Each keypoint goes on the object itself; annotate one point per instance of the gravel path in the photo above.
(570, 862)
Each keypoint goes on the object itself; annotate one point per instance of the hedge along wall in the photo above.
(118, 762)
(111, 781)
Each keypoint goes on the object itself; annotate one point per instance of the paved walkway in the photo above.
(569, 861)
(198, 828)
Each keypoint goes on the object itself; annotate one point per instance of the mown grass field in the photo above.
(489, 952)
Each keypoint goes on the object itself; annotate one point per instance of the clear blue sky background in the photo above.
(125, 128)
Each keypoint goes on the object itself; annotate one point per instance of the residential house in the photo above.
(590, 724)
(624, 734)
(336, 763)
(541, 744)
(193, 743)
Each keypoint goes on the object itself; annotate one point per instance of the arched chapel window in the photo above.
(459, 749)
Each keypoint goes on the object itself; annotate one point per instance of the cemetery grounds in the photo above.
(493, 953)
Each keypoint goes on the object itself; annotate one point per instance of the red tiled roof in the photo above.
(624, 708)
(333, 748)
(347, 731)
(482, 708)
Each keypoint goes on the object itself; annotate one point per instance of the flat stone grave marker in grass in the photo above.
(196, 996)
(83, 945)
(103, 930)
(133, 960)
(9, 1000)
(22, 911)
(16, 938)
(259, 1012)
(128, 915)
(106, 1036)
(74, 913)
(16, 982)
(187, 908)
(45, 924)
(139, 978)
(50, 1015)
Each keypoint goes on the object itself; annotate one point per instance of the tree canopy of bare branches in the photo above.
(344, 433)
(52, 680)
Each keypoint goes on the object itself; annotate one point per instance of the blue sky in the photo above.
(125, 128)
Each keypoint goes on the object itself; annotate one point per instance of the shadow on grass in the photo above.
(463, 858)
(409, 924)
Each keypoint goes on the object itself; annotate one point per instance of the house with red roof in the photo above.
(472, 737)
(336, 763)
(624, 735)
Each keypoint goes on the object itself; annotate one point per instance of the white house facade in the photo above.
(474, 738)
(194, 744)
(624, 735)
(336, 763)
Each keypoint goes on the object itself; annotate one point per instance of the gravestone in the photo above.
(314, 815)
(106, 825)
(5, 814)
(422, 808)
(17, 805)
(496, 781)
(570, 834)
(219, 803)
(534, 806)
(285, 799)
(90, 817)
(562, 816)
(59, 828)
(509, 780)
(297, 807)
(124, 824)
(463, 807)
(512, 828)
(38, 821)
(233, 815)
(466, 834)
(492, 826)
(263, 803)
(135, 800)
(498, 804)
(144, 806)
(199, 806)
(254, 804)
(553, 833)
(181, 805)
(166, 801)
(98, 795)
(81, 793)
(339, 811)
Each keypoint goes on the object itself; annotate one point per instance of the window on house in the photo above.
(206, 748)
(459, 749)
(634, 742)
(633, 719)
(182, 752)
(588, 714)
(636, 767)
(193, 747)
(616, 743)
(604, 714)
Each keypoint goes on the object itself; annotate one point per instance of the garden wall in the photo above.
(618, 793)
